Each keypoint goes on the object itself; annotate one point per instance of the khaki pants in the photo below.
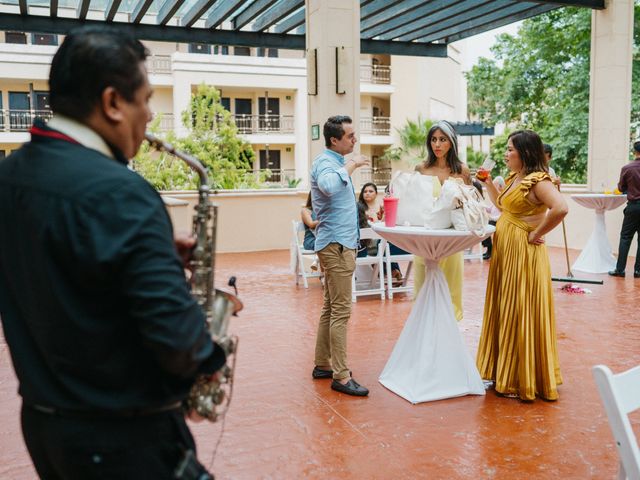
(331, 344)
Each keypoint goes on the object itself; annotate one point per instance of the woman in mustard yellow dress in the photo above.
(518, 349)
(443, 163)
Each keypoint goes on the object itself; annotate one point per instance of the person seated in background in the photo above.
(548, 153)
(494, 214)
(308, 218)
(369, 211)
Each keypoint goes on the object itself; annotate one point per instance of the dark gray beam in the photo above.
(594, 4)
(24, 8)
(167, 11)
(195, 12)
(249, 13)
(506, 15)
(280, 10)
(389, 14)
(376, 6)
(139, 10)
(290, 23)
(53, 8)
(15, 22)
(427, 14)
(83, 8)
(111, 10)
(403, 48)
(501, 22)
(497, 9)
(221, 12)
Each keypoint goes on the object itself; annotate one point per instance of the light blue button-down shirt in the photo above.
(334, 202)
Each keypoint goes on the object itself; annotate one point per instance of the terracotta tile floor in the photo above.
(284, 425)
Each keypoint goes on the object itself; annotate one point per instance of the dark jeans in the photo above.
(145, 447)
(630, 226)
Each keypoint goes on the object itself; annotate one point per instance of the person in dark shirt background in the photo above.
(104, 335)
(629, 183)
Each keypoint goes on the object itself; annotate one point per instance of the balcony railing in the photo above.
(380, 176)
(375, 125)
(166, 121)
(21, 120)
(248, 124)
(285, 177)
(159, 64)
(375, 74)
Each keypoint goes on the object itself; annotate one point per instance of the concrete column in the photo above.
(302, 137)
(610, 93)
(331, 25)
(181, 99)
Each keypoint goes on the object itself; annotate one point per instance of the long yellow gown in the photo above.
(518, 348)
(452, 267)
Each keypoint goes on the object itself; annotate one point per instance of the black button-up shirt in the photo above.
(95, 307)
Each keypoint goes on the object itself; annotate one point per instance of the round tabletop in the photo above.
(599, 201)
(430, 244)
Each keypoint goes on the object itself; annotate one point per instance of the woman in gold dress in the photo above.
(443, 163)
(518, 349)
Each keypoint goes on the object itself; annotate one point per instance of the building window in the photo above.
(15, 37)
(226, 103)
(199, 48)
(3, 155)
(221, 50)
(44, 39)
(242, 51)
(267, 52)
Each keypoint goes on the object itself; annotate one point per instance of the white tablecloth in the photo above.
(430, 361)
(596, 257)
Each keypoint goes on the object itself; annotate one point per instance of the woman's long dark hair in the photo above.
(363, 222)
(531, 150)
(309, 205)
(455, 165)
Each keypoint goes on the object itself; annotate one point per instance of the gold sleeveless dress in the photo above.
(518, 348)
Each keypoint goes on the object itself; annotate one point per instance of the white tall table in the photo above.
(596, 256)
(430, 361)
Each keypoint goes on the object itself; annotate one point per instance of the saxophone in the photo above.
(210, 395)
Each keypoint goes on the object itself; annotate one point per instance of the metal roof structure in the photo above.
(397, 27)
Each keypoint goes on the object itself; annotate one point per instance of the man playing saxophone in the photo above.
(105, 337)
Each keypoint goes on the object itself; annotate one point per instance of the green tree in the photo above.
(540, 80)
(413, 142)
(213, 139)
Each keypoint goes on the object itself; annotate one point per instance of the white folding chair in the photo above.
(373, 284)
(300, 253)
(620, 394)
(388, 258)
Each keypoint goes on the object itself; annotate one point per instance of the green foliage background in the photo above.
(213, 139)
(540, 80)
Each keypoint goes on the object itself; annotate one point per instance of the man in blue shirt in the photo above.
(334, 202)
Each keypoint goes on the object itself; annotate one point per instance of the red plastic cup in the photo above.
(390, 211)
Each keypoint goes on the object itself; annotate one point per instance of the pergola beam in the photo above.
(593, 4)
(390, 14)
(195, 12)
(221, 12)
(53, 9)
(427, 14)
(532, 12)
(139, 10)
(167, 11)
(292, 22)
(492, 9)
(249, 13)
(277, 12)
(376, 6)
(83, 8)
(24, 8)
(111, 10)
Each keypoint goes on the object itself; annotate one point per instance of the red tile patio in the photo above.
(284, 425)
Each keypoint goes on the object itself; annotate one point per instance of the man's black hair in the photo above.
(547, 148)
(333, 128)
(89, 60)
(636, 146)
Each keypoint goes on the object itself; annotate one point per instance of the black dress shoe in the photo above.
(486, 256)
(616, 273)
(320, 373)
(636, 274)
(350, 388)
